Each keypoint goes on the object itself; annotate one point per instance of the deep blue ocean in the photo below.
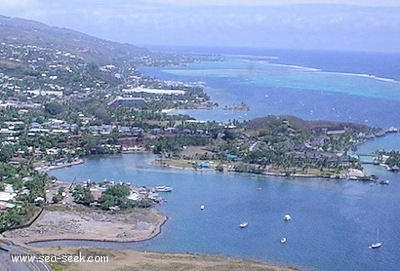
(333, 221)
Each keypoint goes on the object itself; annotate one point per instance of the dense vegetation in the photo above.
(389, 158)
(115, 197)
(31, 188)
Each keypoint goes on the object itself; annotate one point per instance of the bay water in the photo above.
(333, 221)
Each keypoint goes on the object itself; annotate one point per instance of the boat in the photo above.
(377, 244)
(202, 207)
(244, 224)
(283, 240)
(384, 182)
(163, 188)
(287, 217)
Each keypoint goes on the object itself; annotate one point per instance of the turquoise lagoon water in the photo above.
(336, 92)
(333, 222)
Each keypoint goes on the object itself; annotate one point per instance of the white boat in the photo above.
(287, 217)
(377, 244)
(202, 207)
(244, 224)
(283, 240)
(163, 188)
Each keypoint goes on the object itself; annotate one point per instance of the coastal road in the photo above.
(7, 264)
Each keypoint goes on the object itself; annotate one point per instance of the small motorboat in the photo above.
(244, 224)
(202, 207)
(163, 188)
(283, 240)
(376, 245)
(287, 217)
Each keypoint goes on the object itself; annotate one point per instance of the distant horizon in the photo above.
(205, 46)
(334, 25)
(178, 46)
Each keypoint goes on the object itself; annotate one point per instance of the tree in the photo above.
(107, 201)
(82, 195)
(118, 190)
(59, 196)
(6, 152)
(53, 108)
(219, 168)
(116, 196)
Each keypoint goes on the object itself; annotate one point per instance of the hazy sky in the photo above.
(366, 25)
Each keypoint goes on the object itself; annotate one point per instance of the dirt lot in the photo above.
(127, 260)
(88, 224)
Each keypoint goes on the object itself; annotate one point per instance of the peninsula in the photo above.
(273, 145)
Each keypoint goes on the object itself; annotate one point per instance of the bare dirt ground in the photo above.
(87, 224)
(127, 260)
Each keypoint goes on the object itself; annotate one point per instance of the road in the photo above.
(7, 264)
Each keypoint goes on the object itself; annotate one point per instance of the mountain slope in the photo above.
(90, 48)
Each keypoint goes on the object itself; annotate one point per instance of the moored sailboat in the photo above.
(378, 244)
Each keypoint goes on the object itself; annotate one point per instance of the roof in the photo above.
(203, 164)
(6, 196)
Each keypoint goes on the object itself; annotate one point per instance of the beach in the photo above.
(73, 163)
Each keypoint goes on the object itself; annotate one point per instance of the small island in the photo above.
(238, 107)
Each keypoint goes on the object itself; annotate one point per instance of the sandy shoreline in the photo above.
(87, 224)
(169, 110)
(212, 169)
(74, 163)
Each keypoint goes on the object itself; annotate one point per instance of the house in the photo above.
(6, 196)
(335, 131)
(204, 165)
(156, 131)
(124, 129)
(170, 130)
(3, 208)
(232, 157)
